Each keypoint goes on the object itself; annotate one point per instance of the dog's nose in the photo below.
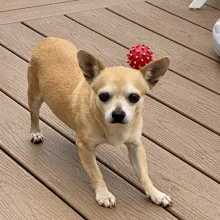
(118, 115)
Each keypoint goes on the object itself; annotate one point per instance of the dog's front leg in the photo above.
(137, 157)
(88, 159)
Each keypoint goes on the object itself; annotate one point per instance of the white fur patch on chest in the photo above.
(118, 136)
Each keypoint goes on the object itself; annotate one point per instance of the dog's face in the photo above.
(119, 90)
(120, 93)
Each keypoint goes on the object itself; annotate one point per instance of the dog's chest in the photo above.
(118, 137)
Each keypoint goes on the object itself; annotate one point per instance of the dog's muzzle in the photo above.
(118, 116)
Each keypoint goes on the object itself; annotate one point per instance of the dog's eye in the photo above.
(104, 97)
(133, 98)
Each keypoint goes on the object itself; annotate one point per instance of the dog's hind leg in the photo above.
(35, 101)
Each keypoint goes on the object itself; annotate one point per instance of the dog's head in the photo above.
(119, 90)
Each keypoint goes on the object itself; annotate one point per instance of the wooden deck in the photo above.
(181, 130)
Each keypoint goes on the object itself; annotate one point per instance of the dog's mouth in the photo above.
(118, 122)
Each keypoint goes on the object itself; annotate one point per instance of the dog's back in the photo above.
(55, 76)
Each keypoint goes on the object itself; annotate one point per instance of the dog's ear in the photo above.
(90, 66)
(154, 70)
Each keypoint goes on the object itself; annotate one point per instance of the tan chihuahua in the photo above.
(103, 105)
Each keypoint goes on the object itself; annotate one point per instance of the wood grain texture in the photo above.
(182, 137)
(172, 27)
(6, 5)
(183, 61)
(205, 17)
(189, 99)
(187, 150)
(214, 3)
(57, 9)
(23, 197)
(57, 164)
(23, 41)
(19, 38)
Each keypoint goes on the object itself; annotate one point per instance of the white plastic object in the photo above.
(197, 4)
(216, 37)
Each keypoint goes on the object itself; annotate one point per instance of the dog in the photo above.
(101, 104)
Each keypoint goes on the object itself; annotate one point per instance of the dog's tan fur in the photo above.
(70, 82)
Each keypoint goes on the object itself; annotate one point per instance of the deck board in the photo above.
(57, 164)
(214, 3)
(205, 17)
(24, 14)
(23, 197)
(200, 147)
(6, 5)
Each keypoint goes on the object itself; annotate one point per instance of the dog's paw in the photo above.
(36, 138)
(105, 198)
(160, 198)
